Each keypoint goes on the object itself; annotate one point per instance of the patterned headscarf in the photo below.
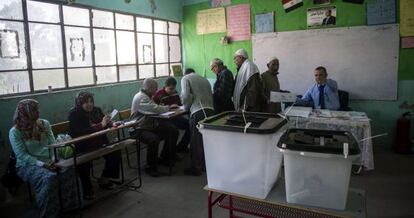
(26, 119)
(82, 98)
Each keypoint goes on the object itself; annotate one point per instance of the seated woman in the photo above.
(85, 119)
(29, 137)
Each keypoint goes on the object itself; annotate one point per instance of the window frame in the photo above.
(93, 65)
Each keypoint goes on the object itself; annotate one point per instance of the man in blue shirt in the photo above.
(324, 94)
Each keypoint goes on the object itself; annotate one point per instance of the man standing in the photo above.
(323, 94)
(223, 87)
(168, 96)
(152, 131)
(197, 98)
(271, 84)
(248, 90)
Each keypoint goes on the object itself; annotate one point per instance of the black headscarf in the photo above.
(94, 116)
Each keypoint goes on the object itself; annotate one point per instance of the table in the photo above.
(119, 144)
(360, 129)
(275, 204)
(170, 114)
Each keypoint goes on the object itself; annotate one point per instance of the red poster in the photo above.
(238, 22)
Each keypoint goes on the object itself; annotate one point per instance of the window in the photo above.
(73, 46)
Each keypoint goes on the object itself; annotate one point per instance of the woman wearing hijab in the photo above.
(85, 119)
(29, 137)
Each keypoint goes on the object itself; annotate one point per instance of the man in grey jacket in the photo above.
(153, 131)
(197, 98)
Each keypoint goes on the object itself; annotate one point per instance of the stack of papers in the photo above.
(341, 115)
(298, 111)
(323, 113)
(168, 113)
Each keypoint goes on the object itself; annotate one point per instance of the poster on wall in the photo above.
(406, 17)
(220, 3)
(290, 5)
(211, 21)
(9, 44)
(321, 17)
(238, 22)
(264, 23)
(381, 12)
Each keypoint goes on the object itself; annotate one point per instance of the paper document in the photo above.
(341, 114)
(282, 97)
(114, 113)
(323, 113)
(168, 113)
(298, 111)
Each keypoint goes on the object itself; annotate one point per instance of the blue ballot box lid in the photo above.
(319, 141)
(249, 122)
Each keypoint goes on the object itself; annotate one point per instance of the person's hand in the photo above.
(51, 166)
(117, 123)
(174, 106)
(106, 120)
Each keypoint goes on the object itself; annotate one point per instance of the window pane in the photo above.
(104, 47)
(80, 76)
(175, 49)
(45, 12)
(103, 19)
(160, 26)
(145, 48)
(46, 45)
(161, 48)
(173, 28)
(44, 78)
(144, 24)
(11, 9)
(146, 71)
(127, 73)
(76, 16)
(106, 75)
(162, 70)
(12, 46)
(125, 42)
(125, 22)
(78, 47)
(14, 82)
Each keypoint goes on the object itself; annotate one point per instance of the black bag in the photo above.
(10, 179)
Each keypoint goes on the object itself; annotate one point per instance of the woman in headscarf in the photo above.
(29, 137)
(85, 119)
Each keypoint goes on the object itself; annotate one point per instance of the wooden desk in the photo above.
(85, 157)
(275, 205)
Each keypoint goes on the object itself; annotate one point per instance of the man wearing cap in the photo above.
(223, 87)
(248, 91)
(271, 84)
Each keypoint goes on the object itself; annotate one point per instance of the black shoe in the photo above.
(152, 172)
(176, 158)
(166, 162)
(182, 149)
(192, 172)
(89, 196)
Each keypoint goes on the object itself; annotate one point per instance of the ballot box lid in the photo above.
(319, 141)
(259, 123)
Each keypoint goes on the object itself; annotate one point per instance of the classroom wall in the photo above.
(200, 49)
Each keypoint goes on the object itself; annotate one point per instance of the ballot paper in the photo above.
(295, 111)
(341, 115)
(168, 113)
(282, 97)
(114, 113)
(323, 113)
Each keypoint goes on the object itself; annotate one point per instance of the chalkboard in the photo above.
(363, 60)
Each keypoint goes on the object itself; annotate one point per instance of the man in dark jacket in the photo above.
(223, 87)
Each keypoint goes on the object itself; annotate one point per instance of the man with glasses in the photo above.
(223, 87)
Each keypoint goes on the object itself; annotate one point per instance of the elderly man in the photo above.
(153, 132)
(223, 87)
(271, 84)
(197, 97)
(248, 90)
(323, 94)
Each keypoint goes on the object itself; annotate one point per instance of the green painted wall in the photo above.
(200, 49)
